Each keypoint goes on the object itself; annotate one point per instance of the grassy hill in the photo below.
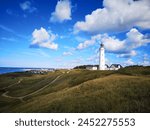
(126, 90)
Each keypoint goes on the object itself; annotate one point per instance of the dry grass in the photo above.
(126, 90)
(115, 93)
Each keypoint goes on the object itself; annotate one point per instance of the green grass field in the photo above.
(125, 90)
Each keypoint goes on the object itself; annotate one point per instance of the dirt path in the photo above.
(13, 84)
(30, 94)
(35, 92)
(7, 96)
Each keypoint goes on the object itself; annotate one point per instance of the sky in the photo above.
(68, 33)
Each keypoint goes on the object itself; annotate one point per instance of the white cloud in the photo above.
(146, 63)
(129, 62)
(136, 39)
(146, 60)
(26, 6)
(125, 48)
(116, 16)
(112, 44)
(80, 39)
(62, 11)
(127, 55)
(67, 53)
(42, 38)
(90, 42)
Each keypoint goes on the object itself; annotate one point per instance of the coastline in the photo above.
(5, 70)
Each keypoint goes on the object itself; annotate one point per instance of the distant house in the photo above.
(94, 67)
(106, 67)
(115, 67)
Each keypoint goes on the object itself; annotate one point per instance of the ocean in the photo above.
(4, 70)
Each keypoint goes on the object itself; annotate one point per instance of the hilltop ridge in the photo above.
(125, 90)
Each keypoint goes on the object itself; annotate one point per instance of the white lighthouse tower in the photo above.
(102, 57)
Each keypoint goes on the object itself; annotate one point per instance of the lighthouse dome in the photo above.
(102, 45)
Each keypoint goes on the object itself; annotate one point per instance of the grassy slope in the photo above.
(126, 90)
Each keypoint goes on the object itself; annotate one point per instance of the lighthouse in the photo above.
(102, 57)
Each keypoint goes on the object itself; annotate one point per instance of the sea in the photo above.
(4, 70)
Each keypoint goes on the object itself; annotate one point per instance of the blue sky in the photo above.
(66, 33)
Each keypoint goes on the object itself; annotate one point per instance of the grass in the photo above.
(126, 90)
(135, 70)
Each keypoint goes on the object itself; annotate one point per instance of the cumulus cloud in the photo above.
(43, 38)
(124, 48)
(112, 44)
(116, 16)
(136, 39)
(90, 42)
(62, 11)
(26, 6)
